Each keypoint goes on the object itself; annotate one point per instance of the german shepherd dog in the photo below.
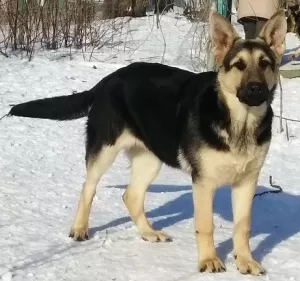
(216, 126)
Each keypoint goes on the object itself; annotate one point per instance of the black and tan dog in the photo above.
(214, 126)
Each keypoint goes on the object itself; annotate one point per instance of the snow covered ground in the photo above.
(42, 170)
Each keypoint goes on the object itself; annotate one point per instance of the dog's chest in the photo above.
(227, 167)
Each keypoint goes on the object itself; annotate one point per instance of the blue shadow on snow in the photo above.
(274, 215)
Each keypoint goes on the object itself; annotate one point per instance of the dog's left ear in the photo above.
(274, 31)
(222, 36)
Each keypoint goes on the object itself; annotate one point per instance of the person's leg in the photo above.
(259, 25)
(249, 28)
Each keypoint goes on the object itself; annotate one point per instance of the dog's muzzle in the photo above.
(253, 93)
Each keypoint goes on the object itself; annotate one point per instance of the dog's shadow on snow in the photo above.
(276, 216)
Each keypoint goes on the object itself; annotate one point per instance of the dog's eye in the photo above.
(264, 63)
(240, 65)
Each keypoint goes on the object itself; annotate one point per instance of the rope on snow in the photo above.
(278, 189)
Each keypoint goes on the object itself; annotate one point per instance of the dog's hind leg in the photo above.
(144, 169)
(96, 167)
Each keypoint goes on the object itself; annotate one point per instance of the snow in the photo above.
(42, 170)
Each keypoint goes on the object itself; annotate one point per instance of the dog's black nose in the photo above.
(255, 88)
(253, 93)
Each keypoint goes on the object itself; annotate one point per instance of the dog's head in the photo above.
(248, 68)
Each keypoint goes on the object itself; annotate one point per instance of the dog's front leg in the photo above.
(242, 197)
(203, 194)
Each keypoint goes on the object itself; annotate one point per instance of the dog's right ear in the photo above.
(222, 36)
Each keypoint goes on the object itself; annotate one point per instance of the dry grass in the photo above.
(33, 25)
(51, 24)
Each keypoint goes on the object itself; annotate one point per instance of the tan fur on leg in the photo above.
(96, 167)
(242, 197)
(203, 194)
(144, 169)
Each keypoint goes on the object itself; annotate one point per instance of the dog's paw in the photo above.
(211, 265)
(79, 233)
(156, 236)
(246, 266)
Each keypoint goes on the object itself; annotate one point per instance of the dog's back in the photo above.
(151, 102)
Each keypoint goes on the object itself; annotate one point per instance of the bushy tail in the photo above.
(57, 108)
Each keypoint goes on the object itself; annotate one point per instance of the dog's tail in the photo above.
(57, 108)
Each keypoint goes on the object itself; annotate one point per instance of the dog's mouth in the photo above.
(253, 94)
(250, 101)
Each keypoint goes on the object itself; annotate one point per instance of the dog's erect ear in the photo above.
(222, 36)
(274, 31)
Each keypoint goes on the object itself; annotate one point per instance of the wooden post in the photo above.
(21, 10)
(61, 4)
(21, 6)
